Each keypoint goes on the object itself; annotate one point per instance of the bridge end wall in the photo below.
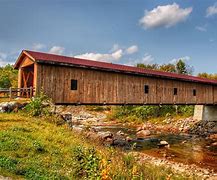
(207, 113)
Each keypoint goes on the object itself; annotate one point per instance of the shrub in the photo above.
(86, 162)
(39, 105)
(186, 110)
(8, 163)
(141, 113)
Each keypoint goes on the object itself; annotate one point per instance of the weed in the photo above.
(86, 162)
(40, 149)
(8, 163)
(139, 114)
(39, 105)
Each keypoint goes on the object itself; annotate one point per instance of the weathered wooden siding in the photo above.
(99, 87)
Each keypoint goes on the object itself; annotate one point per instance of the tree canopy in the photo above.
(8, 76)
(180, 67)
(208, 76)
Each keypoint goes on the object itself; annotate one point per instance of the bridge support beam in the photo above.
(207, 113)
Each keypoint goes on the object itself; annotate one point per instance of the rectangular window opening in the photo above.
(74, 84)
(194, 92)
(175, 91)
(146, 89)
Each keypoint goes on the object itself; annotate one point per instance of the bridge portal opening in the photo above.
(26, 78)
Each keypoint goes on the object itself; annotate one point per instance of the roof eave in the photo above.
(124, 72)
(19, 59)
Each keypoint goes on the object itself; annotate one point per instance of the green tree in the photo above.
(208, 76)
(183, 68)
(168, 68)
(147, 66)
(8, 76)
(5, 82)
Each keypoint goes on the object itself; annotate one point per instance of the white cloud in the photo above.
(175, 60)
(211, 10)
(201, 28)
(57, 50)
(38, 46)
(147, 59)
(164, 16)
(132, 49)
(115, 56)
(3, 59)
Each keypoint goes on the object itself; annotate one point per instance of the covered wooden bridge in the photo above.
(69, 80)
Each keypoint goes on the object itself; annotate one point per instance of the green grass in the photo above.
(153, 114)
(39, 148)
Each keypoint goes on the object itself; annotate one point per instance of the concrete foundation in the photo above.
(207, 113)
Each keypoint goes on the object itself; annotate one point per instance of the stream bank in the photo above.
(185, 145)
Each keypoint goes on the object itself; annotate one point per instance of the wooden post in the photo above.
(31, 92)
(27, 92)
(10, 93)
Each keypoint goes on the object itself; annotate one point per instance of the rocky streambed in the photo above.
(174, 146)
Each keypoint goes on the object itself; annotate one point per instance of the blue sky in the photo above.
(118, 31)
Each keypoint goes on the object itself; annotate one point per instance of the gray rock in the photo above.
(120, 133)
(78, 129)
(128, 139)
(105, 135)
(120, 142)
(67, 116)
(108, 142)
(164, 144)
(10, 106)
(214, 144)
(143, 133)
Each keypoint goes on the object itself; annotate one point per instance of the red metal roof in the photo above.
(51, 58)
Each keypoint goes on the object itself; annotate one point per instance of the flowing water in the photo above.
(187, 149)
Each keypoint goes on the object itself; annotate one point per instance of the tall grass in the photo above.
(39, 148)
(141, 114)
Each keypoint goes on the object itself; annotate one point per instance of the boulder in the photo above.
(120, 133)
(67, 116)
(108, 142)
(120, 143)
(105, 135)
(139, 129)
(143, 133)
(214, 144)
(163, 144)
(128, 139)
(10, 106)
(78, 129)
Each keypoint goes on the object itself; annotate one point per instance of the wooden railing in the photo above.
(17, 92)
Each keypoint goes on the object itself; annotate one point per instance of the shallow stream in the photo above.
(187, 149)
